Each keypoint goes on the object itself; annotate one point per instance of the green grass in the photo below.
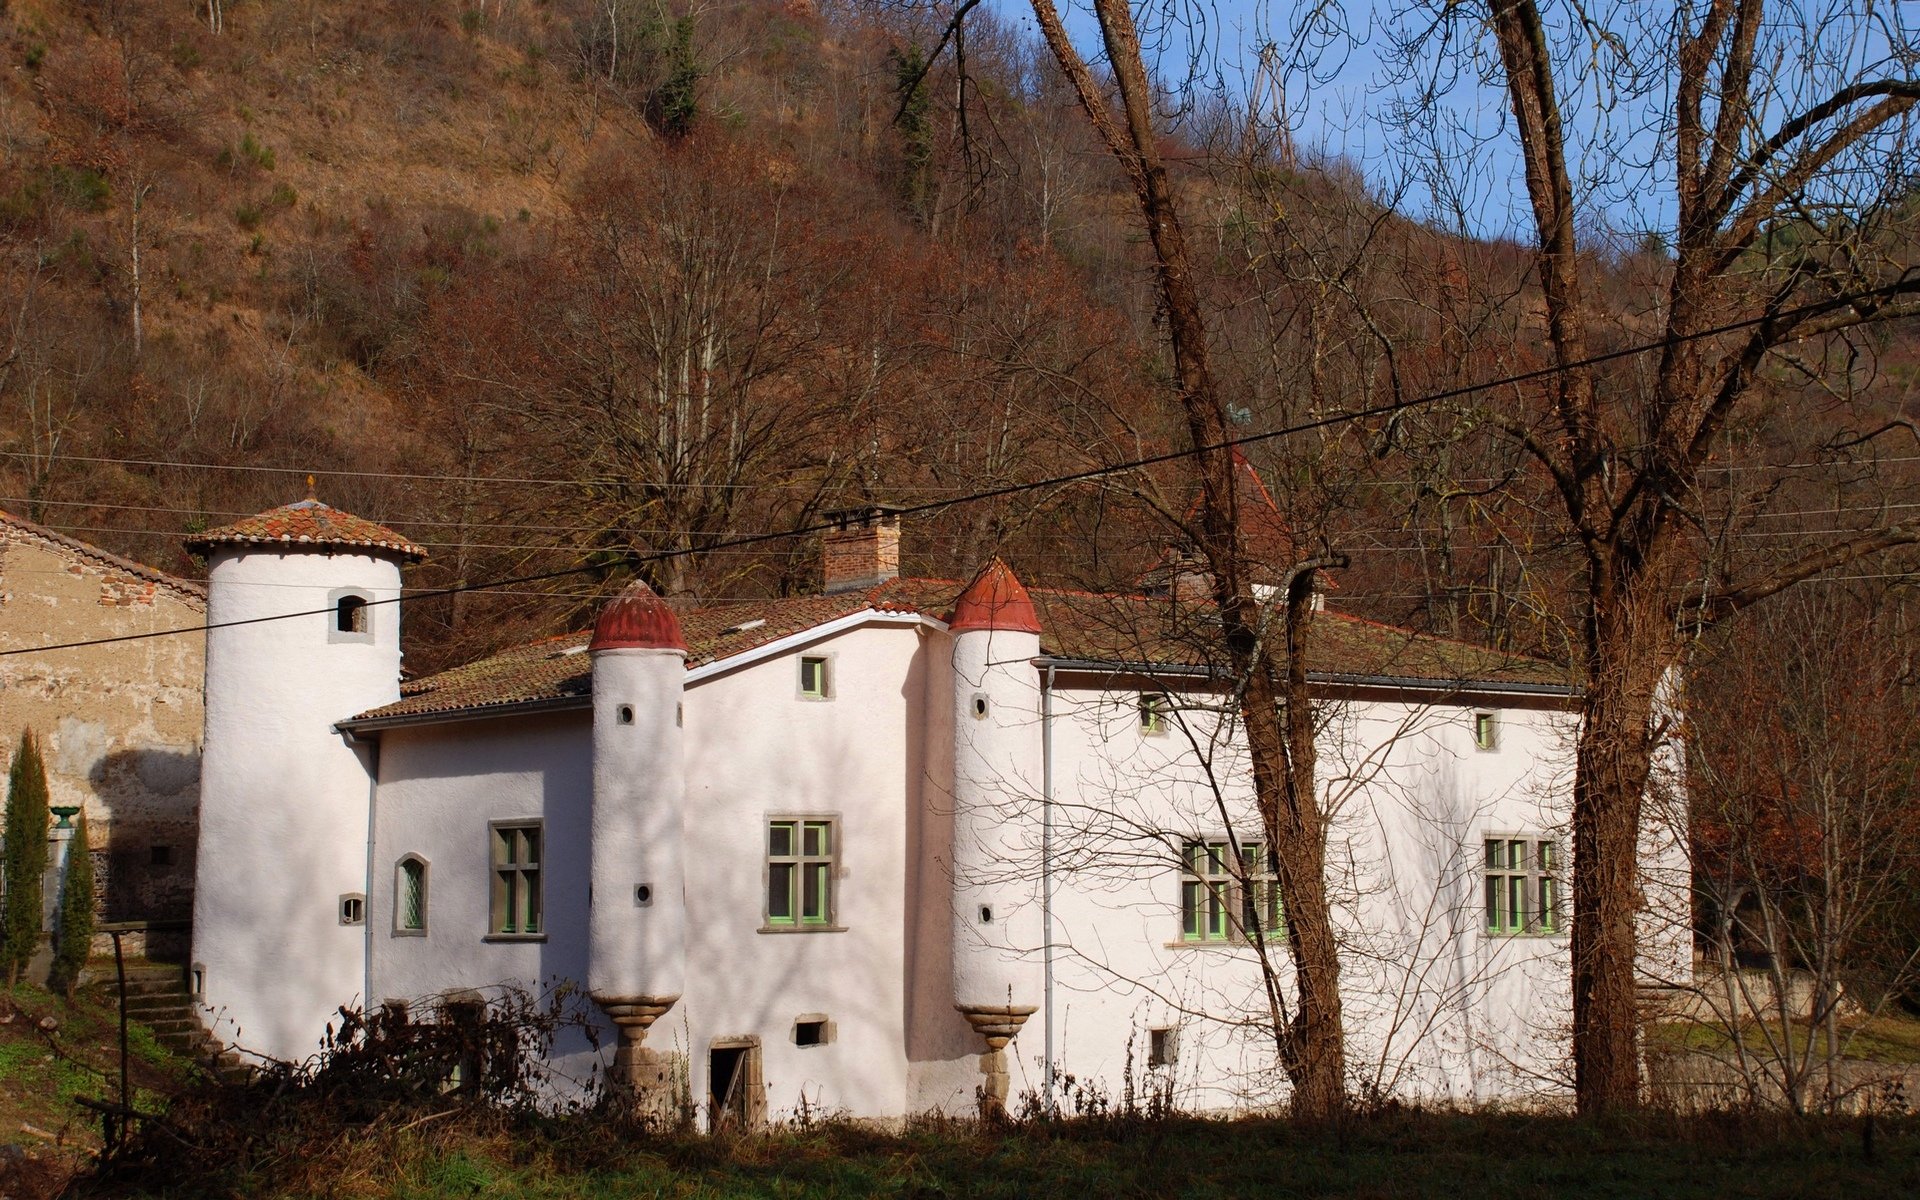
(1888, 1040)
(41, 1073)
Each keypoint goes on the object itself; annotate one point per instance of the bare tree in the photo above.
(1807, 830)
(1782, 133)
(1265, 642)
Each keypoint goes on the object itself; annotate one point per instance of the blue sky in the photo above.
(1343, 91)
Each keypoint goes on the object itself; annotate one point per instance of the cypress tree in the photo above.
(74, 939)
(23, 856)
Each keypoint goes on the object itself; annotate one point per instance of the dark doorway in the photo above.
(733, 1084)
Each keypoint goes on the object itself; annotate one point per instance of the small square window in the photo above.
(1153, 712)
(160, 856)
(1163, 1047)
(812, 1031)
(1486, 730)
(814, 683)
(352, 617)
(353, 909)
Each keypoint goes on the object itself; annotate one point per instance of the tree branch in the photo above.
(1717, 606)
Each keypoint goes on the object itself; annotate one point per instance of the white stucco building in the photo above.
(832, 850)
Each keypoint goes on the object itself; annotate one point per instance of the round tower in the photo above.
(304, 632)
(997, 933)
(637, 927)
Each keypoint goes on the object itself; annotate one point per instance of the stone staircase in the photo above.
(157, 998)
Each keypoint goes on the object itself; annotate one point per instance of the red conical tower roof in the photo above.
(996, 599)
(309, 525)
(637, 619)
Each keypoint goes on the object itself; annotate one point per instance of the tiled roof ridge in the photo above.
(195, 592)
(304, 523)
(546, 672)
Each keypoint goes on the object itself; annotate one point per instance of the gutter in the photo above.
(1479, 687)
(1046, 875)
(371, 745)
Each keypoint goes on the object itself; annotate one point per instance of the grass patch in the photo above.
(42, 1071)
(1889, 1040)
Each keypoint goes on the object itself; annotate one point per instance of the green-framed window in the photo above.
(516, 906)
(1222, 900)
(410, 895)
(1153, 712)
(801, 852)
(814, 681)
(1486, 730)
(1522, 886)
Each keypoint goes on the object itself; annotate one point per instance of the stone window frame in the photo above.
(1485, 723)
(829, 921)
(400, 927)
(363, 615)
(825, 689)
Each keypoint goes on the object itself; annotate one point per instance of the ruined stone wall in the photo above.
(119, 724)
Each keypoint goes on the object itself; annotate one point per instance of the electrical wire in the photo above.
(1057, 481)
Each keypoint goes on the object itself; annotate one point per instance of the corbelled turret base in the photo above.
(997, 1023)
(644, 1078)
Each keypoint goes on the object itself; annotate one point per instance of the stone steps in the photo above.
(157, 998)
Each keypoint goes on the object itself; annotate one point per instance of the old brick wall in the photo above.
(120, 723)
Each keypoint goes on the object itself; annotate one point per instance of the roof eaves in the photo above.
(1477, 687)
(367, 723)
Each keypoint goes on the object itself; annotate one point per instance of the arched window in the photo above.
(410, 896)
(350, 615)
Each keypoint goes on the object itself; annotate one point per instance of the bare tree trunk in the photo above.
(1274, 707)
(139, 194)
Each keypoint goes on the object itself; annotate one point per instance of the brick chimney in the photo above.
(862, 550)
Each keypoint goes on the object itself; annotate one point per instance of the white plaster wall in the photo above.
(1434, 1007)
(997, 841)
(756, 750)
(638, 949)
(440, 786)
(283, 808)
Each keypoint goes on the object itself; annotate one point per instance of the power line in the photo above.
(1058, 481)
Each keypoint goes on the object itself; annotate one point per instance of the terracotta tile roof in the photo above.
(1144, 631)
(307, 523)
(12, 528)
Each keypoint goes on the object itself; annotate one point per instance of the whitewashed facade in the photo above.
(833, 851)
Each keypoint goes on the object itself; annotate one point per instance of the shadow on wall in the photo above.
(144, 872)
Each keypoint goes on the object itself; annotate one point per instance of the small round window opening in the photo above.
(626, 714)
(350, 615)
(979, 705)
(986, 914)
